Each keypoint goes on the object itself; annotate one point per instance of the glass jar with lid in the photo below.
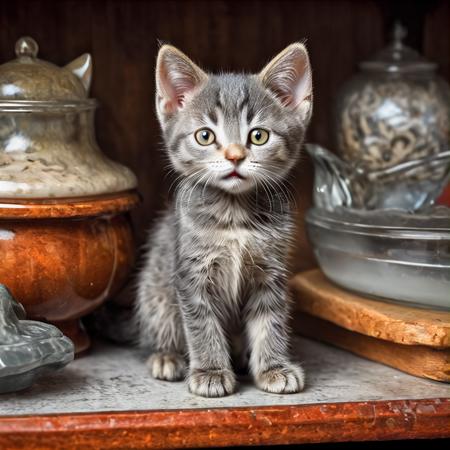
(395, 109)
(47, 139)
(65, 234)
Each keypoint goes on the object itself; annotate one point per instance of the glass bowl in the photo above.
(411, 185)
(389, 254)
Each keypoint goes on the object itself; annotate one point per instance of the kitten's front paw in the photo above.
(212, 383)
(166, 366)
(287, 379)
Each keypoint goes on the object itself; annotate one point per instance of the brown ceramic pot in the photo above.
(63, 258)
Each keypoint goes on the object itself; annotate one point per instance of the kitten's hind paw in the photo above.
(287, 379)
(167, 366)
(212, 383)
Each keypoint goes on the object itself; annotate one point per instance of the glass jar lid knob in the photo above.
(26, 46)
(398, 57)
(399, 33)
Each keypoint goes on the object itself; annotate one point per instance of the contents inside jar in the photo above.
(55, 155)
(387, 122)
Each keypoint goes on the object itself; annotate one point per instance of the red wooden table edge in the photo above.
(328, 422)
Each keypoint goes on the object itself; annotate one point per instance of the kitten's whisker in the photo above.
(268, 193)
(279, 189)
(184, 187)
(174, 182)
(288, 195)
(194, 187)
(204, 187)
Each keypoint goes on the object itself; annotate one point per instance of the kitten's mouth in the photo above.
(234, 174)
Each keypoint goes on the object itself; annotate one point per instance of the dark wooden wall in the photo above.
(235, 35)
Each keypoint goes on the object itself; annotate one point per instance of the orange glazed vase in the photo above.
(66, 242)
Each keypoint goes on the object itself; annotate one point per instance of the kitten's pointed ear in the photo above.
(288, 76)
(82, 68)
(177, 77)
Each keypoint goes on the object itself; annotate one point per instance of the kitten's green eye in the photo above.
(205, 136)
(258, 136)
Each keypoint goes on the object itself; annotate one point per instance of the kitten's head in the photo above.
(234, 131)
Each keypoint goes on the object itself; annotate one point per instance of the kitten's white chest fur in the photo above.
(237, 248)
(229, 250)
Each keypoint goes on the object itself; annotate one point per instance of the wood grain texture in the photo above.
(435, 46)
(316, 295)
(335, 422)
(418, 360)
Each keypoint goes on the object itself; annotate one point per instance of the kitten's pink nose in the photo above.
(235, 153)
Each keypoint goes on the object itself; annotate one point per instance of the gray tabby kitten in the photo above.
(216, 268)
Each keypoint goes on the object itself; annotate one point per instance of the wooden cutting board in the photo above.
(419, 360)
(416, 341)
(400, 324)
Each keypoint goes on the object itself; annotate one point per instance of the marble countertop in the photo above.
(113, 378)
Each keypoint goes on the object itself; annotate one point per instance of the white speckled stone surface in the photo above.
(114, 378)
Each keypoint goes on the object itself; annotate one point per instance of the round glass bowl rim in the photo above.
(18, 106)
(338, 222)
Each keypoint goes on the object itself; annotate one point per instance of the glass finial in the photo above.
(26, 46)
(399, 34)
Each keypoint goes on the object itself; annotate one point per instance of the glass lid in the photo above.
(30, 80)
(398, 58)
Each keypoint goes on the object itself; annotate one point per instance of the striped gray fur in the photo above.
(212, 291)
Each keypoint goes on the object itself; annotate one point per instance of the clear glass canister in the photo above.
(47, 138)
(395, 109)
